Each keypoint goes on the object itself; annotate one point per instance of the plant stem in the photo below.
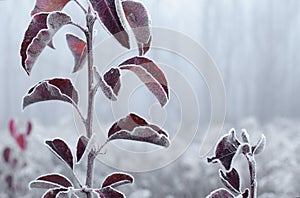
(252, 171)
(81, 6)
(90, 20)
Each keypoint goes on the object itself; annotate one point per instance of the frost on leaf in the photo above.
(56, 179)
(54, 89)
(220, 193)
(39, 34)
(43, 184)
(117, 179)
(78, 49)
(61, 149)
(133, 127)
(107, 12)
(231, 180)
(53, 193)
(48, 6)
(226, 150)
(150, 74)
(260, 146)
(81, 147)
(109, 192)
(138, 19)
(111, 84)
(144, 47)
(245, 193)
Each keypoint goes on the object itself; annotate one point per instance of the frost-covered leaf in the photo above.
(81, 147)
(39, 33)
(107, 12)
(117, 179)
(53, 193)
(144, 47)
(109, 192)
(133, 127)
(48, 6)
(220, 193)
(54, 89)
(78, 49)
(61, 149)
(231, 180)
(43, 184)
(245, 136)
(246, 193)
(6, 154)
(138, 19)
(56, 179)
(226, 150)
(260, 146)
(111, 84)
(150, 74)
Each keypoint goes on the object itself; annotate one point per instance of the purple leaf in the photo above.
(52, 193)
(226, 150)
(61, 149)
(56, 179)
(144, 47)
(246, 193)
(107, 12)
(220, 193)
(9, 181)
(39, 33)
(231, 180)
(117, 179)
(81, 147)
(260, 146)
(137, 17)
(136, 128)
(6, 154)
(110, 86)
(48, 6)
(20, 138)
(151, 75)
(109, 192)
(43, 184)
(54, 89)
(78, 49)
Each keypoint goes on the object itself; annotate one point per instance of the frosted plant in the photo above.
(226, 150)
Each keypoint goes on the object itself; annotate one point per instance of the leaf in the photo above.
(20, 138)
(107, 12)
(260, 146)
(150, 74)
(133, 127)
(226, 149)
(231, 180)
(137, 17)
(6, 154)
(117, 179)
(144, 47)
(81, 147)
(61, 149)
(53, 89)
(246, 193)
(111, 84)
(52, 193)
(245, 136)
(78, 49)
(109, 192)
(56, 179)
(42, 184)
(48, 6)
(39, 34)
(9, 181)
(220, 193)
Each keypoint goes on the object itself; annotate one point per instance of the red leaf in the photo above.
(39, 34)
(29, 128)
(43, 184)
(231, 180)
(246, 193)
(78, 49)
(108, 15)
(9, 181)
(144, 47)
(220, 193)
(52, 193)
(137, 17)
(48, 6)
(109, 192)
(151, 75)
(81, 147)
(20, 138)
(54, 89)
(226, 150)
(61, 149)
(6, 154)
(117, 179)
(56, 179)
(22, 141)
(136, 128)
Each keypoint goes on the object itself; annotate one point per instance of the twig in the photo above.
(81, 6)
